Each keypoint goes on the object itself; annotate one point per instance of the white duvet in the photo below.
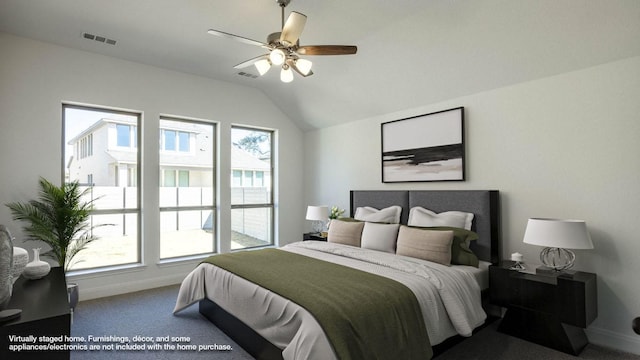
(449, 297)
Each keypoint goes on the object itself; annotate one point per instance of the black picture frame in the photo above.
(421, 148)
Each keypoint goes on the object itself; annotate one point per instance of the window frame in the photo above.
(176, 176)
(271, 204)
(124, 211)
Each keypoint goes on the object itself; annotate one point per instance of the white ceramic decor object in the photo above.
(37, 268)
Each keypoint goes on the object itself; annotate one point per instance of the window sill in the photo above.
(106, 271)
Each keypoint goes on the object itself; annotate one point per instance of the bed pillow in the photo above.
(381, 237)
(345, 232)
(419, 216)
(426, 244)
(389, 215)
(461, 254)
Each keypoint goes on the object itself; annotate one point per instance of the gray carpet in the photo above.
(148, 313)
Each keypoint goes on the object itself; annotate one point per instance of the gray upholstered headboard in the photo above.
(484, 204)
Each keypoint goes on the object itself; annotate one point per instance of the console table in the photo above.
(548, 309)
(45, 312)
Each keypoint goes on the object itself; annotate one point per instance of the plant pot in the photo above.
(73, 293)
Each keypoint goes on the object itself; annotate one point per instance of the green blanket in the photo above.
(364, 316)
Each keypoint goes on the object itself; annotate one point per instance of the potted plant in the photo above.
(60, 219)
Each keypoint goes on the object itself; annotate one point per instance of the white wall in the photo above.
(35, 78)
(565, 146)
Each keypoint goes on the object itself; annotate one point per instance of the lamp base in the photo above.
(557, 258)
(318, 226)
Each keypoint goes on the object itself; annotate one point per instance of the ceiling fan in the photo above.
(284, 47)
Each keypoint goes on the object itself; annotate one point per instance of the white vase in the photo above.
(37, 268)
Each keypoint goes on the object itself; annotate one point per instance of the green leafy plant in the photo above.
(59, 218)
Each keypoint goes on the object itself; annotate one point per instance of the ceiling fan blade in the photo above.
(293, 28)
(327, 50)
(238, 38)
(250, 62)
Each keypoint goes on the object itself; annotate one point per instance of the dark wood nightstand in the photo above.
(548, 309)
(313, 236)
(45, 312)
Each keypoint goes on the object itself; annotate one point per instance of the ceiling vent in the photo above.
(246, 74)
(98, 38)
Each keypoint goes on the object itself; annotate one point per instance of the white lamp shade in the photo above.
(277, 57)
(286, 75)
(304, 66)
(558, 233)
(319, 213)
(263, 66)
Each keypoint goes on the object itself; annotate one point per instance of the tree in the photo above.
(254, 143)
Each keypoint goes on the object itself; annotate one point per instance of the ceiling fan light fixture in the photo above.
(286, 75)
(304, 66)
(277, 57)
(262, 66)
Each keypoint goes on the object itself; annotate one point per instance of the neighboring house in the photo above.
(105, 154)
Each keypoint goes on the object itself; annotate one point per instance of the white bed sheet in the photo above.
(449, 307)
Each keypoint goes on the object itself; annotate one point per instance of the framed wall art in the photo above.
(427, 147)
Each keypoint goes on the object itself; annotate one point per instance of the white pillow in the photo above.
(389, 215)
(419, 216)
(381, 237)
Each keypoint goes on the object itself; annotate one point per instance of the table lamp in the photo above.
(557, 236)
(317, 214)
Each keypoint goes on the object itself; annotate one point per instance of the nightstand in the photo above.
(313, 236)
(45, 312)
(549, 309)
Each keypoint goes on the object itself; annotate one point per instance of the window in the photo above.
(187, 192)
(251, 200)
(169, 140)
(92, 134)
(172, 140)
(183, 141)
(127, 135)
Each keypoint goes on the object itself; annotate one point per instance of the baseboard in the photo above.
(613, 340)
(128, 287)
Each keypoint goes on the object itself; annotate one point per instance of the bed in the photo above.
(268, 334)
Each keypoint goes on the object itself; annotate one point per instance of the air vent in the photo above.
(246, 74)
(98, 38)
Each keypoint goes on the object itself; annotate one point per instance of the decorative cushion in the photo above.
(390, 215)
(419, 216)
(345, 232)
(431, 245)
(381, 237)
(461, 254)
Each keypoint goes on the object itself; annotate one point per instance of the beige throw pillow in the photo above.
(345, 232)
(425, 244)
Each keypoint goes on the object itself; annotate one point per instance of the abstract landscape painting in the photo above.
(428, 147)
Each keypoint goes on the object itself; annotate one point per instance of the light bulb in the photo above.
(304, 66)
(263, 66)
(286, 75)
(277, 57)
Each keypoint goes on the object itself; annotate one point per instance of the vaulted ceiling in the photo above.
(410, 52)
